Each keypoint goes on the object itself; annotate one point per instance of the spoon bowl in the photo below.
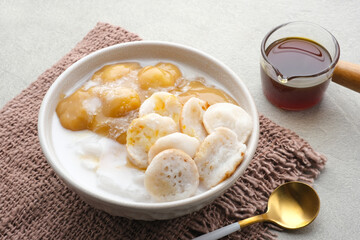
(292, 205)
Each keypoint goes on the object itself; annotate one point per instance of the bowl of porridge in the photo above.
(148, 130)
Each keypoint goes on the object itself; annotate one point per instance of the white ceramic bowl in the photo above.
(183, 56)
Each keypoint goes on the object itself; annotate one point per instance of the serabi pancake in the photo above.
(218, 156)
(172, 175)
(143, 133)
(230, 116)
(191, 118)
(174, 141)
(162, 103)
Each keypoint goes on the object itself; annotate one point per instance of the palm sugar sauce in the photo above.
(295, 57)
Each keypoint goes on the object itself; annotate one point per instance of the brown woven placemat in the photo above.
(36, 204)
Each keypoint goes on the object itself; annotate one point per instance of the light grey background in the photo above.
(36, 34)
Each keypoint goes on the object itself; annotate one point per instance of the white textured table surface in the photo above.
(35, 34)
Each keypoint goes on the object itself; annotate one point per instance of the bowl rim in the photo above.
(217, 190)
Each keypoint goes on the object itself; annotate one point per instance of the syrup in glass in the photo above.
(292, 58)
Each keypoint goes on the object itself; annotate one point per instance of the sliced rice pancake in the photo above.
(218, 156)
(172, 175)
(143, 133)
(174, 141)
(162, 103)
(230, 116)
(191, 118)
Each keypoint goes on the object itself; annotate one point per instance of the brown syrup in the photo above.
(294, 57)
(119, 102)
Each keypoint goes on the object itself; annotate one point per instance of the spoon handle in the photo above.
(348, 75)
(221, 232)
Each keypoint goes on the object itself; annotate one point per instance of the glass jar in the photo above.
(297, 63)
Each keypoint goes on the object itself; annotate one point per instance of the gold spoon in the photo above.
(292, 205)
